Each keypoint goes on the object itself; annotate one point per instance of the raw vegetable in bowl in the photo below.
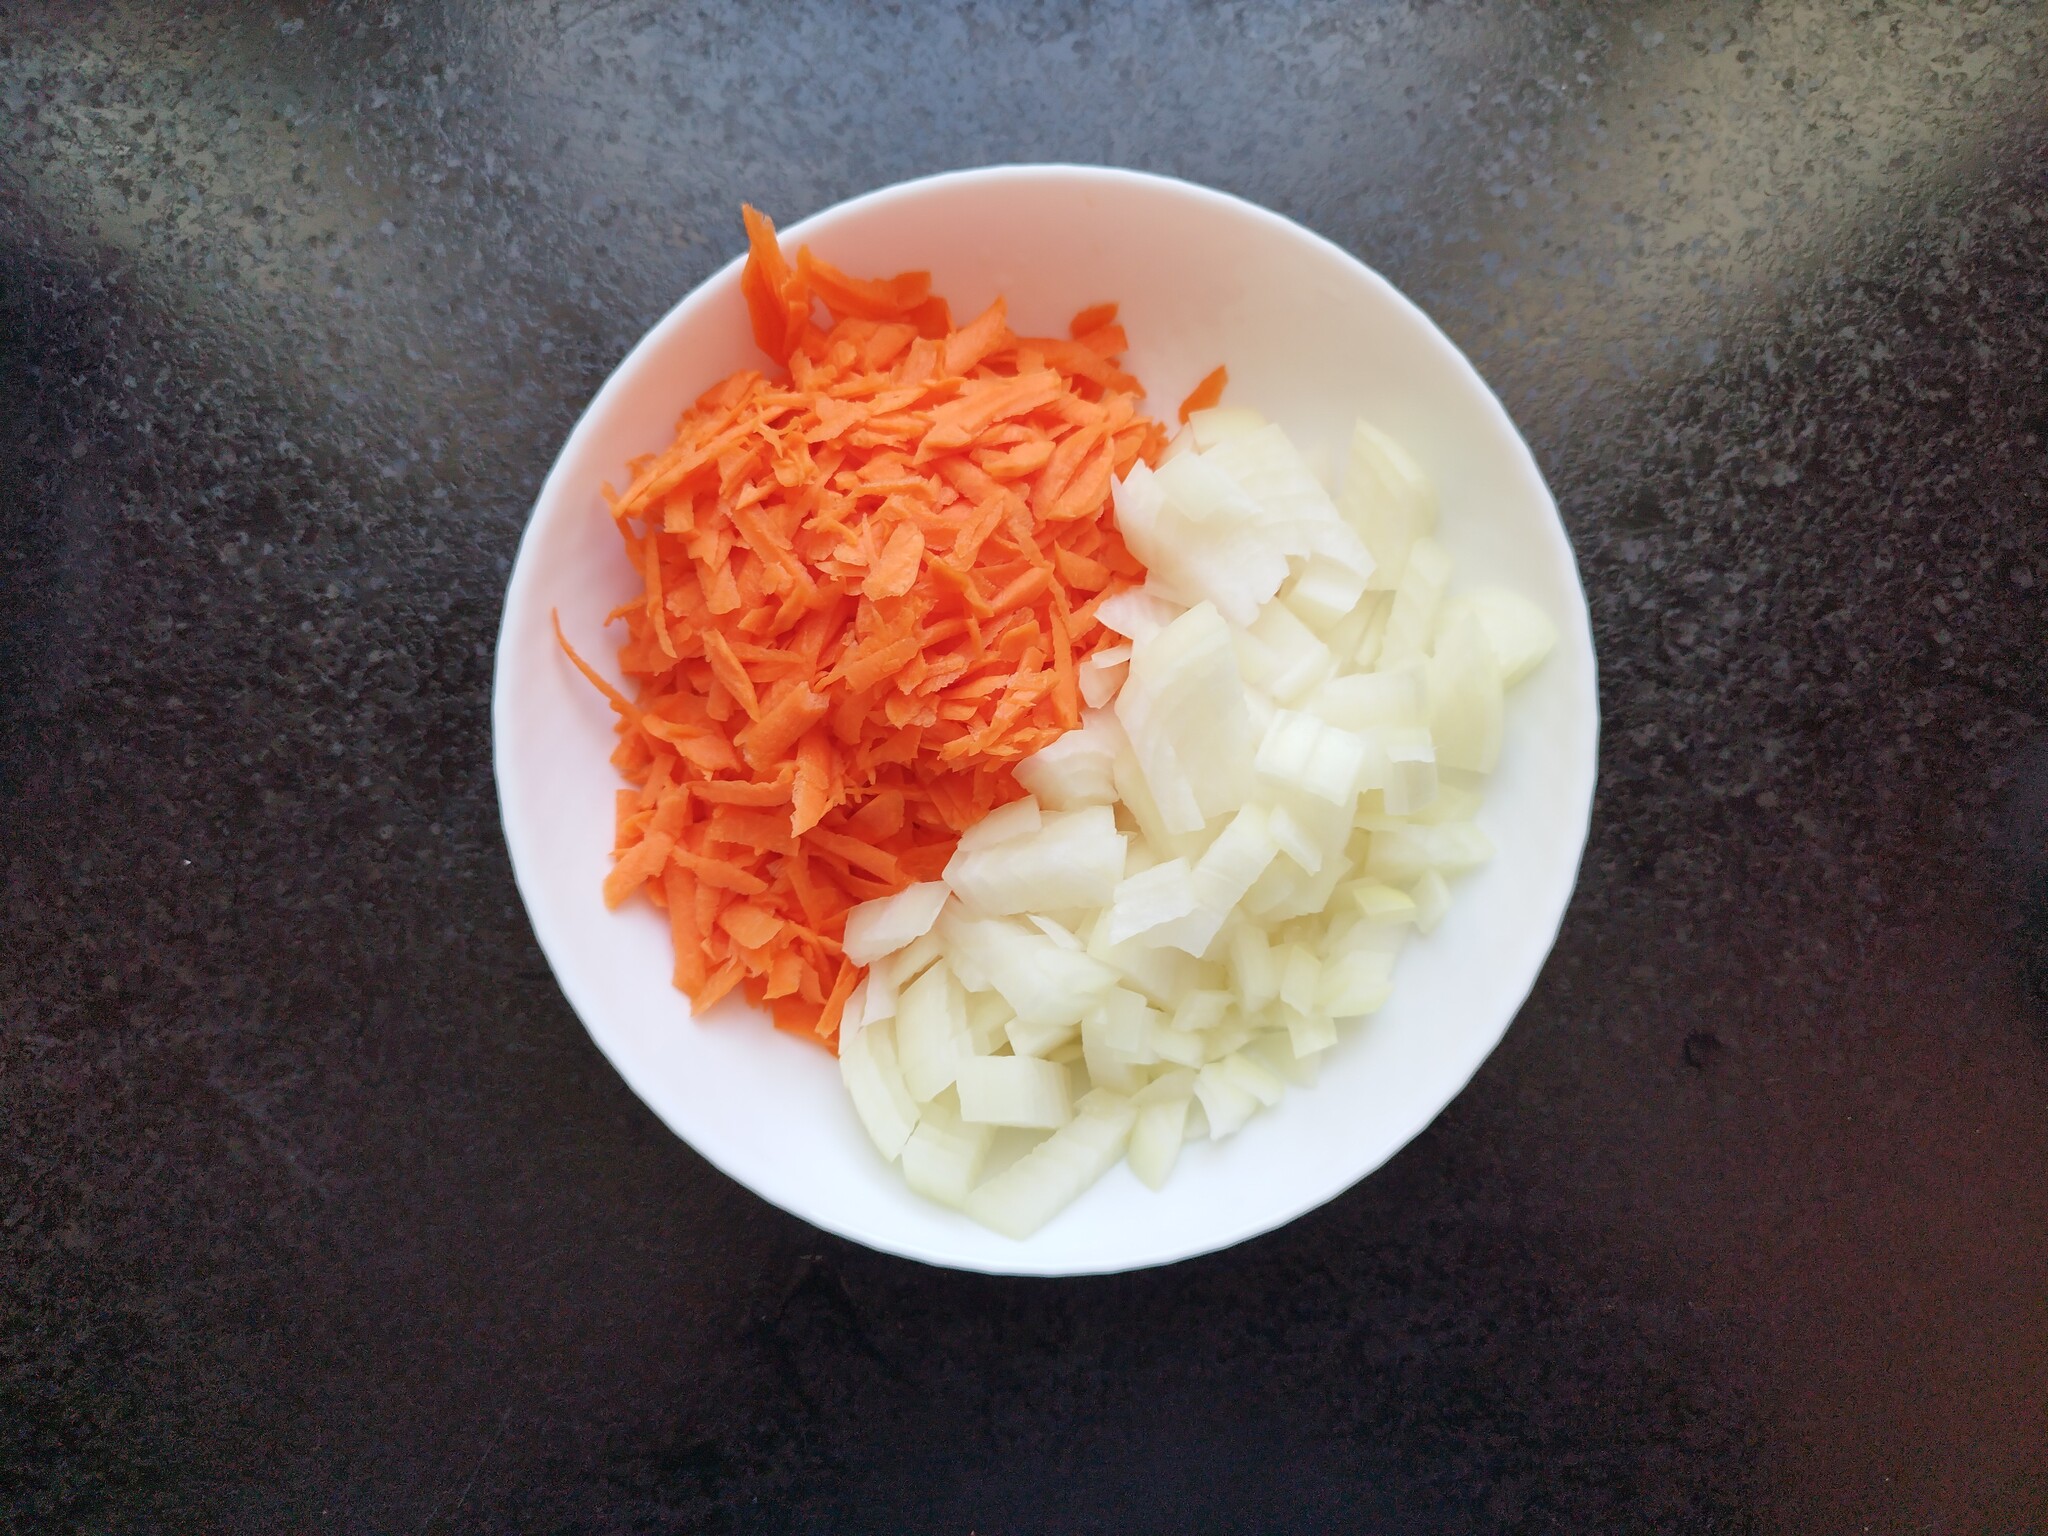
(1076, 786)
(870, 584)
(1275, 783)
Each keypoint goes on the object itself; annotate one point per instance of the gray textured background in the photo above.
(319, 1212)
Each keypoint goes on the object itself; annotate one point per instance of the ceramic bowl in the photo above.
(1314, 339)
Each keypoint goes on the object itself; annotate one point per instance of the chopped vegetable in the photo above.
(1246, 837)
(1205, 394)
(870, 583)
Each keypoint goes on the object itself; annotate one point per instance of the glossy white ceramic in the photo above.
(1314, 339)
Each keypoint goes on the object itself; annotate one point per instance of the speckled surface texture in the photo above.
(319, 1212)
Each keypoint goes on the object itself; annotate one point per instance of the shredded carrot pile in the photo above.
(867, 581)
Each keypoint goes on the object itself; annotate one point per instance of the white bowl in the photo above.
(1312, 338)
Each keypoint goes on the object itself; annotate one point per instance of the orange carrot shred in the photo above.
(1093, 318)
(1205, 394)
(869, 576)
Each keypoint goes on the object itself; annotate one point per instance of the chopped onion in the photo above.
(1045, 1180)
(1269, 792)
(878, 928)
(1386, 497)
(1220, 422)
(1004, 824)
(943, 1157)
(931, 1032)
(1465, 697)
(1412, 620)
(1148, 900)
(1014, 1090)
(1074, 770)
(1430, 900)
(1226, 1103)
(1518, 631)
(874, 1081)
(1073, 859)
(1156, 1136)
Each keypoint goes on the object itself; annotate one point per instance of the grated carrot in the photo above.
(868, 579)
(1205, 394)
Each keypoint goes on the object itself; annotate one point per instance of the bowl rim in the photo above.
(518, 601)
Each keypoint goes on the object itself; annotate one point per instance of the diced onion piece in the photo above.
(1234, 1035)
(1014, 1090)
(1004, 824)
(931, 1032)
(1221, 422)
(1160, 973)
(1183, 707)
(1254, 969)
(1386, 497)
(1301, 974)
(1137, 612)
(1226, 1103)
(1170, 1044)
(881, 927)
(1046, 1040)
(1385, 902)
(1354, 984)
(1400, 855)
(1303, 753)
(943, 1157)
(1074, 859)
(1201, 538)
(1041, 1183)
(853, 1016)
(1412, 621)
(1237, 858)
(1519, 632)
(874, 1081)
(1044, 982)
(1156, 1137)
(1378, 606)
(1453, 802)
(1281, 654)
(1465, 697)
(1285, 892)
(1279, 481)
(1116, 1038)
(1275, 1050)
(1258, 1081)
(1062, 936)
(1410, 779)
(888, 976)
(1202, 491)
(1073, 770)
(1431, 898)
(1368, 700)
(1308, 1033)
(1326, 593)
(1100, 676)
(1148, 900)
(1199, 1010)
(988, 1021)
(1297, 840)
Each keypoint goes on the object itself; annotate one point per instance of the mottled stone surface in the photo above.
(318, 1211)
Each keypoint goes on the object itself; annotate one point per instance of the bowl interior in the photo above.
(1312, 338)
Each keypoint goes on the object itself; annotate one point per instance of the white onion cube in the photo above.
(1014, 1090)
(874, 1081)
(881, 927)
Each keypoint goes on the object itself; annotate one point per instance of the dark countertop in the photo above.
(318, 1210)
